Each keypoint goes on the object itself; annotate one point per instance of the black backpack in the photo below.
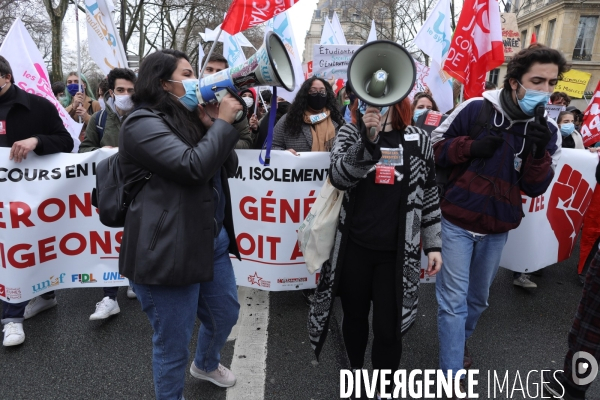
(443, 174)
(112, 194)
(100, 121)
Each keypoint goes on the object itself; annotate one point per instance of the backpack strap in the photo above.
(100, 121)
(483, 119)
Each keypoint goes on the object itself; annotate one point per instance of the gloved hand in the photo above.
(539, 134)
(486, 147)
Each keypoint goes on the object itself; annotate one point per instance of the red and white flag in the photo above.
(477, 45)
(590, 128)
(244, 14)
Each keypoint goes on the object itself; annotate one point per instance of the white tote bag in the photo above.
(317, 232)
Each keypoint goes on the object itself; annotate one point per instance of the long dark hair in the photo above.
(156, 68)
(295, 116)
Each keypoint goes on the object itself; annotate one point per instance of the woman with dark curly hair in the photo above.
(312, 121)
(421, 103)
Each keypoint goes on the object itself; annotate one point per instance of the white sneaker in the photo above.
(221, 376)
(13, 334)
(130, 293)
(524, 281)
(37, 305)
(105, 309)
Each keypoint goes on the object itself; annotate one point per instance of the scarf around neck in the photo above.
(511, 109)
(322, 129)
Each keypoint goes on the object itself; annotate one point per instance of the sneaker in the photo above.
(37, 305)
(13, 334)
(105, 309)
(221, 376)
(556, 389)
(524, 282)
(467, 360)
(130, 293)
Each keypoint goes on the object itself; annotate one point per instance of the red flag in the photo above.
(533, 38)
(244, 14)
(590, 128)
(476, 46)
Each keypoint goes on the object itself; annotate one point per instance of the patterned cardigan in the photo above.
(351, 159)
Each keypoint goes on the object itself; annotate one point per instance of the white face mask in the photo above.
(123, 102)
(101, 101)
(249, 101)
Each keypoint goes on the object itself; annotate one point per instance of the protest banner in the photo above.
(590, 127)
(510, 34)
(51, 237)
(552, 221)
(573, 83)
(332, 60)
(554, 110)
(103, 38)
(31, 75)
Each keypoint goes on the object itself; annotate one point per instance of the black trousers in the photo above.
(370, 275)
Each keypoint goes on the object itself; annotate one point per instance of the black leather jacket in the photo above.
(168, 238)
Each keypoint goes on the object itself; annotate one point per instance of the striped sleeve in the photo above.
(351, 158)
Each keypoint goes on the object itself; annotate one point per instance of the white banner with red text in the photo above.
(552, 221)
(51, 237)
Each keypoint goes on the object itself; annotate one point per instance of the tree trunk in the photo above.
(57, 15)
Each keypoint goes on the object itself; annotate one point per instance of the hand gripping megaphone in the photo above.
(269, 66)
(381, 73)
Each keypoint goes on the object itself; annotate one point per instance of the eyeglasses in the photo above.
(315, 92)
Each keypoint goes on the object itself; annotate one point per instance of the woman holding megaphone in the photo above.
(178, 232)
(390, 210)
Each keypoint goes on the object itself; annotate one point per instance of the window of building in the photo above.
(523, 38)
(550, 32)
(494, 76)
(585, 38)
(536, 30)
(331, 13)
(318, 14)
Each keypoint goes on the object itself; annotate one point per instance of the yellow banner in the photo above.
(573, 83)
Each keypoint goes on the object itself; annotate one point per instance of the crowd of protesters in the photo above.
(474, 163)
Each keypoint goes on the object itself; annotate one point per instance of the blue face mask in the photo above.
(418, 112)
(362, 107)
(567, 129)
(532, 99)
(189, 99)
(73, 88)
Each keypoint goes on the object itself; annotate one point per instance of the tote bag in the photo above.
(317, 232)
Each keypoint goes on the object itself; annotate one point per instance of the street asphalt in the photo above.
(66, 356)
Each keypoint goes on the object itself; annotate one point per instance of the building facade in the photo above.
(570, 26)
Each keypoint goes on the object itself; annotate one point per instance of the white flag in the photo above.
(104, 42)
(337, 29)
(232, 50)
(31, 75)
(210, 35)
(435, 35)
(328, 35)
(200, 54)
(440, 86)
(434, 40)
(282, 25)
(372, 33)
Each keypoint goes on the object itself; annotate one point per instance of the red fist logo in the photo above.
(570, 197)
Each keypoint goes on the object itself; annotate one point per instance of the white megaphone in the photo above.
(269, 66)
(381, 73)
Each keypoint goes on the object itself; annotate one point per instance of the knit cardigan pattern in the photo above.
(352, 158)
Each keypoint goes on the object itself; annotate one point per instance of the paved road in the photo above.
(66, 356)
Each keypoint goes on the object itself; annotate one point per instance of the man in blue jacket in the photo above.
(515, 151)
(27, 123)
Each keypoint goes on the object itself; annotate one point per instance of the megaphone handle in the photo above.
(240, 115)
(372, 132)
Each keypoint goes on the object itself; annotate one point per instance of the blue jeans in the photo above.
(470, 264)
(172, 313)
